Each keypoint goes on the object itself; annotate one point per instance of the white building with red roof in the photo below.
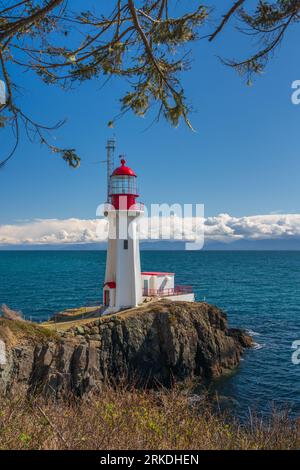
(125, 286)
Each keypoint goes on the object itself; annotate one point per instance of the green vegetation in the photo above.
(127, 418)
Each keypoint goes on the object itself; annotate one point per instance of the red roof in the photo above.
(155, 273)
(111, 285)
(123, 170)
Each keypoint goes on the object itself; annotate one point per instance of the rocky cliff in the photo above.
(155, 344)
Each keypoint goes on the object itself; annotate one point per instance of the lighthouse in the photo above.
(123, 285)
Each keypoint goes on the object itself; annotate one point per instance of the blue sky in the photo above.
(242, 160)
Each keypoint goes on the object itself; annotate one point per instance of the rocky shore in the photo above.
(158, 343)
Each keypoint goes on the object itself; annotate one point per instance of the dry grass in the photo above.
(127, 313)
(14, 331)
(10, 314)
(126, 418)
(67, 325)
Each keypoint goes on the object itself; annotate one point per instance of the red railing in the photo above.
(178, 290)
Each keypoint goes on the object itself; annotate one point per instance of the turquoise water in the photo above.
(260, 291)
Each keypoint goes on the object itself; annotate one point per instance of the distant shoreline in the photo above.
(270, 244)
(211, 250)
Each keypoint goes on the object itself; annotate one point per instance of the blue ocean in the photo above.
(260, 291)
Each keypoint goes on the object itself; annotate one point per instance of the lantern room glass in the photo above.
(123, 185)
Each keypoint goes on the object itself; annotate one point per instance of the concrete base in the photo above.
(181, 297)
(109, 310)
(177, 298)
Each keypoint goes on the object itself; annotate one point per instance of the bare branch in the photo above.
(226, 18)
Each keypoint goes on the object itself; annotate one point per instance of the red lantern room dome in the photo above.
(123, 170)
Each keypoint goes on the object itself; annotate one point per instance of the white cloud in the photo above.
(52, 231)
(222, 227)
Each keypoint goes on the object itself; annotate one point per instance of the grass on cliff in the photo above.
(16, 330)
(126, 418)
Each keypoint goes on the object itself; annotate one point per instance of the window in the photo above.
(125, 244)
(123, 185)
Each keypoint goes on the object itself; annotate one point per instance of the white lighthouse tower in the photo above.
(122, 287)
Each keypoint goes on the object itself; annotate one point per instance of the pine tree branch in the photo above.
(226, 18)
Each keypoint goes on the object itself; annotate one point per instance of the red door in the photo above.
(106, 298)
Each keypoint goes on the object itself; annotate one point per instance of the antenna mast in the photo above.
(110, 152)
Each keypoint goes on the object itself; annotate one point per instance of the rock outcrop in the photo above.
(155, 344)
